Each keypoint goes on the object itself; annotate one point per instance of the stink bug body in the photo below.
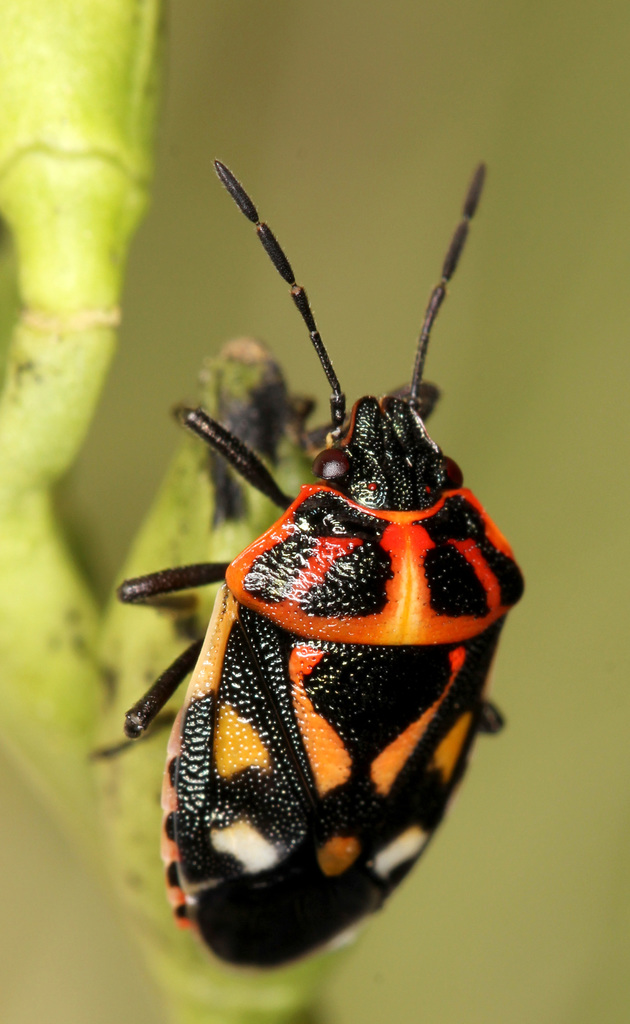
(342, 678)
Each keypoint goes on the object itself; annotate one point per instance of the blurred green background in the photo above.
(356, 126)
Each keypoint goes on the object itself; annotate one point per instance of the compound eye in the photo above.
(453, 472)
(331, 464)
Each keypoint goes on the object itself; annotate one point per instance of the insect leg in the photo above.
(162, 722)
(491, 720)
(141, 589)
(242, 458)
(140, 716)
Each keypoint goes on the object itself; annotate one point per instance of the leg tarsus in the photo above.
(104, 753)
(144, 711)
(491, 721)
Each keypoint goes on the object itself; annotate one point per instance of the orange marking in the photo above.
(338, 854)
(168, 848)
(330, 762)
(457, 657)
(175, 896)
(237, 745)
(385, 768)
(328, 550)
(483, 572)
(448, 751)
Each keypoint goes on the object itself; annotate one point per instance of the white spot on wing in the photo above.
(343, 939)
(246, 844)
(404, 847)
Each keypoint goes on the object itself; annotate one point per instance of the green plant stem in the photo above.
(48, 620)
(77, 90)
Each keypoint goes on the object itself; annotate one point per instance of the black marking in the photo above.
(327, 515)
(391, 687)
(354, 585)
(181, 911)
(456, 520)
(274, 573)
(453, 584)
(172, 771)
(169, 826)
(459, 520)
(286, 915)
(172, 874)
(507, 572)
(355, 582)
(421, 794)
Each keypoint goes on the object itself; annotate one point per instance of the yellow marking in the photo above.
(207, 674)
(237, 745)
(338, 854)
(408, 603)
(330, 762)
(385, 768)
(449, 749)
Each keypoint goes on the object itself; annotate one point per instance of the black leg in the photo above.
(140, 716)
(239, 455)
(141, 589)
(491, 720)
(162, 722)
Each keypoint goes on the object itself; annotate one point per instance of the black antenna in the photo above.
(282, 265)
(448, 269)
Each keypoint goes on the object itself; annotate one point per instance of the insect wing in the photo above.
(240, 801)
(241, 804)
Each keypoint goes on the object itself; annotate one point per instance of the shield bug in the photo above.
(342, 679)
